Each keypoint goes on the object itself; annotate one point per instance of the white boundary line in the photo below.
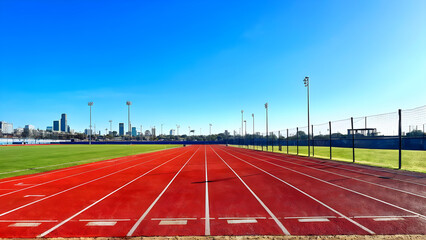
(341, 175)
(84, 165)
(306, 194)
(57, 179)
(135, 226)
(207, 209)
(98, 201)
(340, 163)
(350, 190)
(280, 225)
(69, 189)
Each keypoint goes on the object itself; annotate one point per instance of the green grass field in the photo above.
(411, 160)
(21, 160)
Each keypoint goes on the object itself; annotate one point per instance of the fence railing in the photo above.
(375, 140)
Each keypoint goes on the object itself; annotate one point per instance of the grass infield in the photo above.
(412, 160)
(22, 160)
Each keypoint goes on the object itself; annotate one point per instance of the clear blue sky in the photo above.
(198, 62)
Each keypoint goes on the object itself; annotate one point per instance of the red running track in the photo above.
(212, 190)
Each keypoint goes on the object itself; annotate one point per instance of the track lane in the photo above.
(62, 206)
(291, 205)
(370, 210)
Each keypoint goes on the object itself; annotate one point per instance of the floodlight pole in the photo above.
(110, 126)
(266, 107)
(210, 125)
(128, 103)
(306, 81)
(253, 128)
(161, 129)
(177, 127)
(90, 125)
(242, 122)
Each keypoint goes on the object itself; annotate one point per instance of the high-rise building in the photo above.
(153, 132)
(6, 128)
(121, 129)
(68, 129)
(134, 132)
(29, 127)
(56, 126)
(63, 122)
(49, 128)
(172, 132)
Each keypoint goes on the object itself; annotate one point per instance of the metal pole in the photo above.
(253, 128)
(400, 139)
(266, 107)
(90, 125)
(297, 140)
(287, 140)
(329, 128)
(313, 142)
(242, 122)
(306, 81)
(353, 139)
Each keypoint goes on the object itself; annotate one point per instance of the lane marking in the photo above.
(69, 189)
(280, 225)
(104, 220)
(25, 224)
(407, 216)
(313, 220)
(172, 219)
(230, 218)
(353, 170)
(173, 222)
(27, 221)
(338, 186)
(306, 194)
(54, 180)
(310, 217)
(341, 175)
(387, 219)
(242, 221)
(34, 196)
(133, 229)
(93, 204)
(207, 209)
(101, 223)
(23, 184)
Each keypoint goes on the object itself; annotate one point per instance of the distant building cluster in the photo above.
(60, 125)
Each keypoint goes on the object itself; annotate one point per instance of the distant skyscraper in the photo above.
(134, 132)
(56, 126)
(68, 129)
(172, 132)
(121, 129)
(63, 122)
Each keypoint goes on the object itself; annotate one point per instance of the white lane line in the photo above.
(101, 223)
(109, 194)
(126, 158)
(406, 216)
(133, 229)
(338, 186)
(173, 222)
(24, 184)
(171, 219)
(104, 220)
(236, 221)
(357, 171)
(27, 221)
(306, 194)
(313, 220)
(280, 225)
(231, 218)
(34, 196)
(387, 219)
(310, 217)
(341, 175)
(54, 180)
(25, 224)
(69, 189)
(207, 209)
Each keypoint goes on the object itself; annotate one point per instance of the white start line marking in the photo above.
(101, 223)
(173, 222)
(34, 195)
(388, 219)
(103, 220)
(236, 221)
(24, 224)
(313, 220)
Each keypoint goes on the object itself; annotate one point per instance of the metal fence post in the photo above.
(353, 139)
(287, 140)
(400, 138)
(297, 140)
(329, 128)
(313, 142)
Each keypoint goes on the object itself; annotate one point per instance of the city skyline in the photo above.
(190, 66)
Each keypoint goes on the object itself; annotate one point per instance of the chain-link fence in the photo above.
(394, 140)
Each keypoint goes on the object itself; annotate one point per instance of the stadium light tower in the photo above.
(128, 103)
(306, 82)
(266, 107)
(90, 104)
(210, 125)
(177, 128)
(110, 126)
(242, 122)
(161, 129)
(245, 127)
(253, 128)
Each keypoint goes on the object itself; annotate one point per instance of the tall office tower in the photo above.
(63, 122)
(121, 129)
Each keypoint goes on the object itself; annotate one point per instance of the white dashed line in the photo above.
(34, 195)
(173, 222)
(313, 220)
(242, 221)
(387, 219)
(101, 223)
(24, 224)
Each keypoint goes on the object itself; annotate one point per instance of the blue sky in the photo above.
(198, 62)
